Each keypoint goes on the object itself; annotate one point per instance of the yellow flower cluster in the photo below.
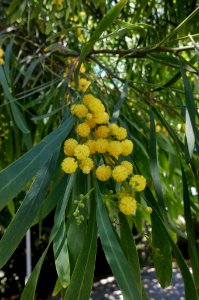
(57, 2)
(97, 137)
(83, 84)
(1, 56)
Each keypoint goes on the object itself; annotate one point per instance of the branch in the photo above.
(141, 52)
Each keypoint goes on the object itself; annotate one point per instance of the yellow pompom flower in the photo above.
(69, 147)
(101, 145)
(91, 145)
(83, 85)
(1, 61)
(138, 182)
(86, 165)
(81, 152)
(120, 173)
(101, 132)
(128, 166)
(87, 99)
(113, 128)
(101, 118)
(127, 205)
(69, 165)
(103, 173)
(121, 134)
(90, 120)
(96, 106)
(127, 147)
(114, 148)
(83, 130)
(79, 110)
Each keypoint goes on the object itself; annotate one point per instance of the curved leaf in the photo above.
(82, 277)
(29, 290)
(27, 212)
(61, 256)
(124, 275)
(190, 289)
(15, 176)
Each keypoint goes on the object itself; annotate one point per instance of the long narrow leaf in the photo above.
(82, 277)
(27, 212)
(190, 289)
(61, 255)
(29, 290)
(170, 35)
(15, 176)
(129, 248)
(190, 230)
(162, 257)
(124, 275)
(17, 114)
(154, 165)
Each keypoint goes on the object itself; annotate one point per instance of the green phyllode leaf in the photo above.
(62, 263)
(190, 289)
(27, 211)
(29, 290)
(162, 257)
(82, 276)
(129, 248)
(15, 176)
(124, 274)
(190, 230)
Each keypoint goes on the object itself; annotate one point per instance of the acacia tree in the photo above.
(72, 153)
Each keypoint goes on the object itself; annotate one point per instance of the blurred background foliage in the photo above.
(144, 67)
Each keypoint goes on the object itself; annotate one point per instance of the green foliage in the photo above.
(141, 58)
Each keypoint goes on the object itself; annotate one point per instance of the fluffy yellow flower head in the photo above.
(79, 110)
(138, 182)
(127, 205)
(91, 145)
(1, 53)
(121, 134)
(69, 146)
(127, 147)
(83, 84)
(101, 118)
(81, 152)
(101, 145)
(83, 130)
(90, 120)
(103, 173)
(69, 165)
(120, 173)
(86, 165)
(87, 99)
(1, 61)
(113, 128)
(128, 166)
(96, 106)
(114, 148)
(102, 132)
